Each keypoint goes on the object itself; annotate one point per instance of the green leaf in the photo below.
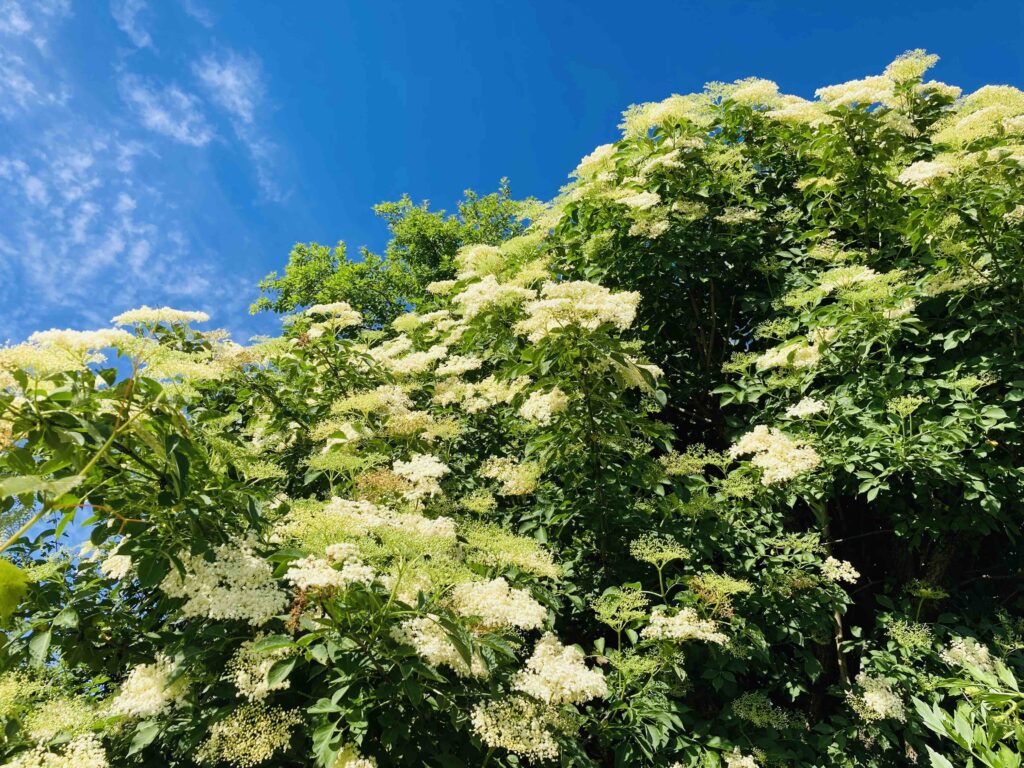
(39, 647)
(274, 642)
(13, 587)
(68, 617)
(937, 760)
(280, 670)
(22, 484)
(145, 733)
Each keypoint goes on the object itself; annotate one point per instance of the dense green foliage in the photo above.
(422, 249)
(715, 460)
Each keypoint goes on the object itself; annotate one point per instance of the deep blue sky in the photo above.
(172, 151)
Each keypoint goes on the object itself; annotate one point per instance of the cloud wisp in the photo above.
(235, 83)
(167, 110)
(128, 16)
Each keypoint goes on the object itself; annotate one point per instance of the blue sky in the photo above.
(172, 151)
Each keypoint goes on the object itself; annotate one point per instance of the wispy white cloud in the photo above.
(127, 14)
(233, 82)
(13, 19)
(94, 240)
(27, 78)
(97, 214)
(199, 12)
(167, 110)
(32, 20)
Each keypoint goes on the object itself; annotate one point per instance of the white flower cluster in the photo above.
(116, 566)
(340, 313)
(981, 114)
(479, 396)
(789, 355)
(871, 90)
(516, 478)
(80, 341)
(498, 605)
(249, 735)
(808, 406)
(315, 573)
(441, 287)
(415, 362)
(147, 691)
(737, 759)
(797, 111)
(924, 172)
(517, 724)
(556, 674)
(684, 625)
(423, 471)
(358, 518)
(640, 200)
(876, 701)
(845, 277)
(837, 570)
(145, 315)
(540, 407)
(249, 667)
(777, 455)
(595, 162)
(431, 642)
(487, 293)
(59, 715)
(478, 260)
(81, 752)
(237, 584)
(349, 757)
(577, 303)
(968, 652)
(456, 365)
(754, 92)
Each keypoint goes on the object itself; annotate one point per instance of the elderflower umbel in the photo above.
(488, 293)
(146, 691)
(556, 674)
(779, 457)
(924, 172)
(516, 478)
(340, 313)
(238, 584)
(314, 573)
(249, 735)
(498, 605)
(349, 757)
(493, 546)
(517, 724)
(116, 566)
(146, 315)
(968, 652)
(737, 759)
(806, 407)
(685, 625)
(837, 570)
(540, 407)
(456, 365)
(82, 752)
(789, 355)
(577, 303)
(59, 715)
(876, 701)
(657, 549)
(432, 643)
(423, 471)
(249, 667)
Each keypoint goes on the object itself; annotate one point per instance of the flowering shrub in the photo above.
(714, 460)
